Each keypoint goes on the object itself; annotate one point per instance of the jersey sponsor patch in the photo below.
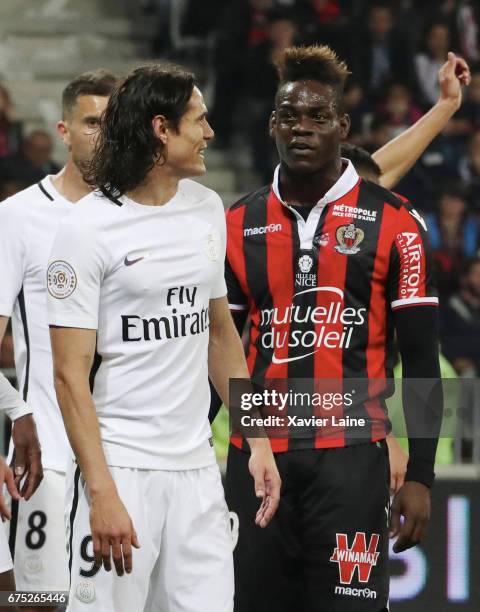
(305, 276)
(61, 279)
(355, 557)
(353, 212)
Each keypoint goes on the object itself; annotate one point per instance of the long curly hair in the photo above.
(127, 148)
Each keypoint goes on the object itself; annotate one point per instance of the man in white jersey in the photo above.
(28, 222)
(136, 280)
(28, 464)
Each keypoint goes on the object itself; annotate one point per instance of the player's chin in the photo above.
(198, 168)
(302, 166)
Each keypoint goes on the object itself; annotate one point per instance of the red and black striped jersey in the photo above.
(321, 292)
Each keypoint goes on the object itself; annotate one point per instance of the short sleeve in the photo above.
(219, 288)
(411, 274)
(77, 265)
(236, 298)
(12, 255)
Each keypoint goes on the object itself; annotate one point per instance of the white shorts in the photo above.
(5, 556)
(185, 562)
(37, 534)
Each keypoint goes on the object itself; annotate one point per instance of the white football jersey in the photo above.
(28, 223)
(142, 276)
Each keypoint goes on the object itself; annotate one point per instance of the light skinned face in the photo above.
(80, 127)
(185, 147)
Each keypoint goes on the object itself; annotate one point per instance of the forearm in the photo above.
(397, 156)
(423, 401)
(83, 431)
(239, 320)
(226, 359)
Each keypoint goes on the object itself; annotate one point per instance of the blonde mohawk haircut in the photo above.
(316, 62)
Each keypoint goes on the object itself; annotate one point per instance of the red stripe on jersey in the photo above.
(377, 415)
(280, 278)
(412, 281)
(279, 249)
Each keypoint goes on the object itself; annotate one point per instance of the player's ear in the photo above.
(344, 126)
(272, 124)
(62, 130)
(159, 125)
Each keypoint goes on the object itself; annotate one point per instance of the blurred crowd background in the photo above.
(394, 51)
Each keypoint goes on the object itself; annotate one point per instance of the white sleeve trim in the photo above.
(414, 301)
(64, 321)
(11, 401)
(238, 306)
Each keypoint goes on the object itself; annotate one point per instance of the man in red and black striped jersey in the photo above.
(328, 266)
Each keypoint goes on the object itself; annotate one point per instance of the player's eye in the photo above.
(286, 116)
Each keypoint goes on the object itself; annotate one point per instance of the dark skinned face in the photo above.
(307, 127)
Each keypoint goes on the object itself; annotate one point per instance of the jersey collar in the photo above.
(49, 190)
(347, 181)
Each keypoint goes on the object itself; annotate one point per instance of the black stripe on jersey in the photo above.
(358, 283)
(73, 512)
(111, 197)
(302, 368)
(253, 196)
(97, 360)
(383, 194)
(44, 191)
(12, 537)
(255, 253)
(23, 316)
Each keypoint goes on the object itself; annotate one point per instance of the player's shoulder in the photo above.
(88, 219)
(254, 200)
(200, 194)
(19, 203)
(381, 196)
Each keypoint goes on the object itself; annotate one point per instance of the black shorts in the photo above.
(326, 550)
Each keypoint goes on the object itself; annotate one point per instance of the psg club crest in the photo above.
(348, 238)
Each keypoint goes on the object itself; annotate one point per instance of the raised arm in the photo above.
(226, 360)
(400, 154)
(112, 528)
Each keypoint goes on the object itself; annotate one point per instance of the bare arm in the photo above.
(226, 357)
(226, 360)
(400, 154)
(28, 464)
(73, 352)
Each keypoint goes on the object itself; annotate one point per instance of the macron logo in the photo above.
(266, 229)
